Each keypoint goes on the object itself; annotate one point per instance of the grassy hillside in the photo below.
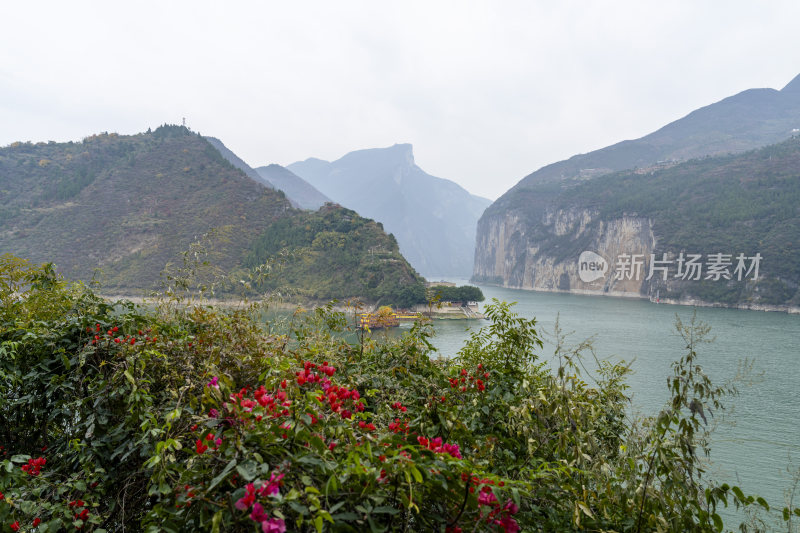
(130, 204)
(127, 204)
(335, 239)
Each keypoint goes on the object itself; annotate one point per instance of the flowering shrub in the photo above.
(189, 418)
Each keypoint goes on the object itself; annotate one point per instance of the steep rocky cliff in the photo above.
(508, 258)
(718, 230)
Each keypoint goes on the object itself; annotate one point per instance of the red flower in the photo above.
(34, 466)
(15, 526)
(201, 448)
(37, 521)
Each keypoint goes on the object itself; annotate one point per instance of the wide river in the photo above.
(757, 439)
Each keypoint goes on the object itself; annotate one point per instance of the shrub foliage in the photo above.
(184, 417)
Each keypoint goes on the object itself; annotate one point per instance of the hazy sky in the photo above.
(487, 92)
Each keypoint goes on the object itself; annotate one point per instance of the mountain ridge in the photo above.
(432, 218)
(300, 193)
(749, 119)
(133, 204)
(528, 236)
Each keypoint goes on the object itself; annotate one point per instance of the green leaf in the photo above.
(247, 470)
(346, 517)
(717, 521)
(416, 473)
(225, 471)
(318, 523)
(215, 522)
(332, 486)
(763, 503)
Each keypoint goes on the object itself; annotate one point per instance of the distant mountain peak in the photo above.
(432, 218)
(793, 86)
(314, 160)
(407, 150)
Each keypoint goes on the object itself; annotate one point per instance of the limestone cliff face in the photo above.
(545, 256)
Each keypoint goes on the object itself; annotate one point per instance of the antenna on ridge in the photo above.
(184, 122)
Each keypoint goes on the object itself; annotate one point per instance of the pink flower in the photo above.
(486, 498)
(214, 382)
(258, 514)
(273, 525)
(247, 500)
(511, 507)
(272, 487)
(508, 524)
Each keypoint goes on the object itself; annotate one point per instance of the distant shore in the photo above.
(440, 313)
(691, 302)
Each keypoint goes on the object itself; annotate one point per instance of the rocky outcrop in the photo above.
(505, 255)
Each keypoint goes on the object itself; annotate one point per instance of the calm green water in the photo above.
(760, 431)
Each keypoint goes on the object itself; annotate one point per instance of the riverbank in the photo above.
(441, 312)
(692, 302)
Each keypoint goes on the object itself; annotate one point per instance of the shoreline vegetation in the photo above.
(202, 418)
(435, 312)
